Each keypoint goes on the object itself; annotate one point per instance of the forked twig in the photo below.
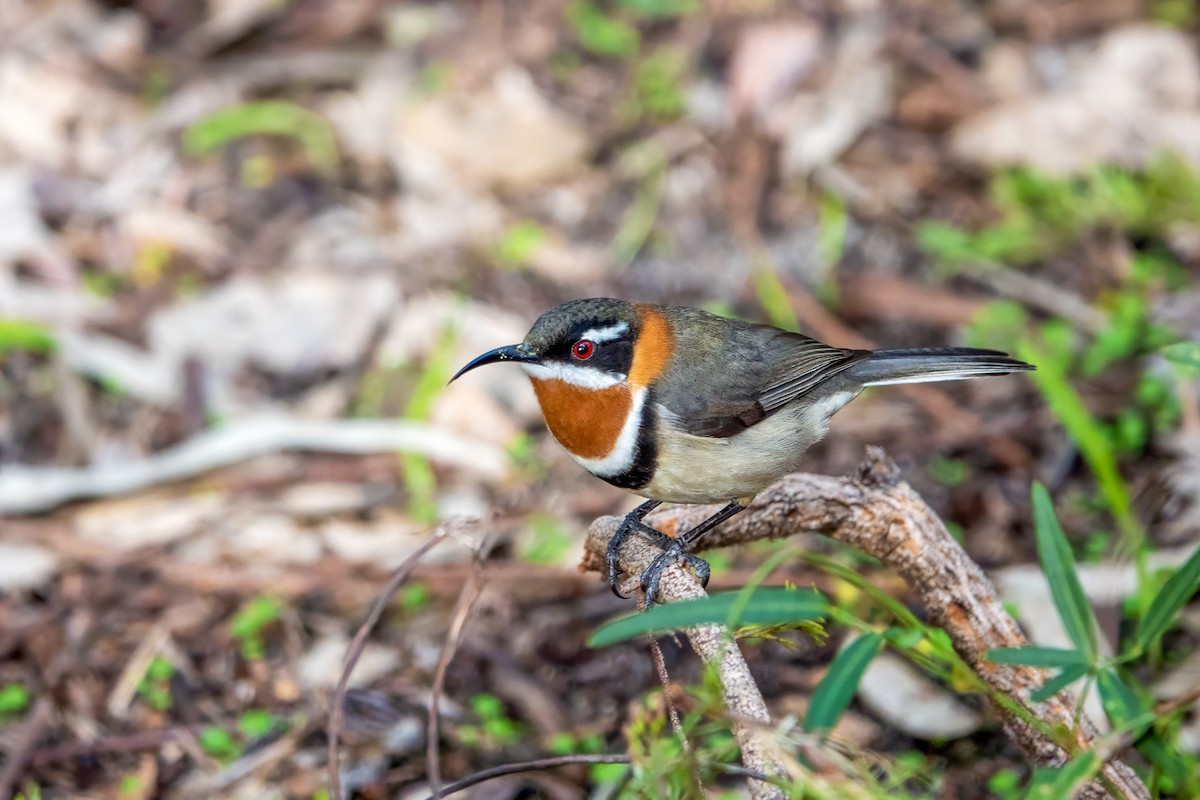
(354, 652)
(881, 515)
(462, 612)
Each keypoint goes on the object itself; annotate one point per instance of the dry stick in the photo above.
(660, 667)
(881, 515)
(462, 611)
(518, 767)
(526, 766)
(19, 756)
(337, 713)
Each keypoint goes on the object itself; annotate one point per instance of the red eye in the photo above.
(583, 349)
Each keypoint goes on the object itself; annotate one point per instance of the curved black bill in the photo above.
(511, 352)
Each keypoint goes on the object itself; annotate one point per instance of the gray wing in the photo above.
(728, 376)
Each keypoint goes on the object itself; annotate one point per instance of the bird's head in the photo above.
(586, 343)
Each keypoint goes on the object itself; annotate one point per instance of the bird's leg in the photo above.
(632, 522)
(680, 546)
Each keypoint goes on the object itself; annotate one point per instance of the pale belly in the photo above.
(695, 469)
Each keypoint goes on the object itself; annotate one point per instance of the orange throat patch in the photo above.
(586, 422)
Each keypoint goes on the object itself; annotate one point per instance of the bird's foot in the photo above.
(673, 549)
(631, 524)
(671, 554)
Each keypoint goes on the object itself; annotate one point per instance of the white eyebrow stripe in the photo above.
(602, 335)
(584, 377)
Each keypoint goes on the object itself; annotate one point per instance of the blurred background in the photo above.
(245, 243)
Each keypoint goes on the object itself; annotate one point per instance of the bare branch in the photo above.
(467, 599)
(337, 712)
(526, 766)
(881, 515)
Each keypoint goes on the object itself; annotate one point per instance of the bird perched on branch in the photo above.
(679, 405)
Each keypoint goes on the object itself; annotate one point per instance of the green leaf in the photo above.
(1169, 601)
(14, 699)
(1037, 656)
(766, 607)
(1059, 682)
(257, 723)
(1059, 565)
(219, 743)
(1120, 702)
(1058, 783)
(1184, 354)
(658, 9)
(600, 33)
(835, 691)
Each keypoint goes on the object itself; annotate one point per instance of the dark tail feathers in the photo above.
(928, 364)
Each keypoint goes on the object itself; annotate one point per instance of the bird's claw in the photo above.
(673, 549)
(611, 556)
(652, 576)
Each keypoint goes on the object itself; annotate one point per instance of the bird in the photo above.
(679, 405)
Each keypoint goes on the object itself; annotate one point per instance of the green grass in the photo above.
(312, 131)
(14, 700)
(17, 335)
(420, 481)
(155, 686)
(250, 623)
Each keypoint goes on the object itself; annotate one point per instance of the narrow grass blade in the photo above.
(1059, 565)
(1037, 656)
(1059, 682)
(1085, 430)
(835, 691)
(1120, 702)
(1174, 595)
(1185, 354)
(769, 606)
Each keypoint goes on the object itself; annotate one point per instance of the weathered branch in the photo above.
(881, 515)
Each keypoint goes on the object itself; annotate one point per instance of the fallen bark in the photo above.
(875, 511)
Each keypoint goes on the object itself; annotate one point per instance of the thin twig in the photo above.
(19, 756)
(660, 668)
(476, 778)
(129, 743)
(462, 612)
(337, 713)
(526, 766)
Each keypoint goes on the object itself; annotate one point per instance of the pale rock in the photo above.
(23, 234)
(25, 566)
(467, 409)
(1128, 99)
(386, 542)
(321, 666)
(314, 500)
(911, 703)
(294, 324)
(478, 327)
(769, 59)
(506, 135)
(273, 538)
(119, 42)
(1007, 71)
(817, 128)
(128, 524)
(569, 264)
(188, 233)
(344, 239)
